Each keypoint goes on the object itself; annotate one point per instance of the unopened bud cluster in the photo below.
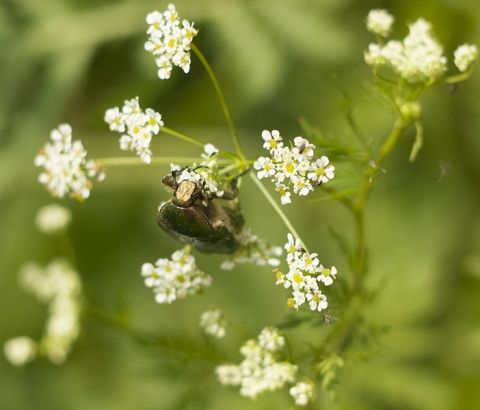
(418, 59)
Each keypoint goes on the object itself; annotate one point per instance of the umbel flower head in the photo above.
(175, 278)
(261, 370)
(138, 126)
(169, 41)
(304, 276)
(292, 167)
(66, 168)
(418, 59)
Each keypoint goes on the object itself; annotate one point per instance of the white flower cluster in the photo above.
(465, 56)
(253, 250)
(66, 169)
(295, 166)
(169, 42)
(304, 276)
(52, 219)
(59, 286)
(213, 323)
(419, 57)
(176, 278)
(138, 125)
(261, 369)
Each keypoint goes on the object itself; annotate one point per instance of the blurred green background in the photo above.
(70, 60)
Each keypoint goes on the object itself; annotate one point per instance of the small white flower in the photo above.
(265, 167)
(328, 275)
(114, 118)
(293, 248)
(272, 140)
(164, 67)
(320, 171)
(209, 150)
(379, 22)
(301, 186)
(317, 300)
(303, 149)
(465, 56)
(52, 219)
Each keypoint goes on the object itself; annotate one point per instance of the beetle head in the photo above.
(187, 193)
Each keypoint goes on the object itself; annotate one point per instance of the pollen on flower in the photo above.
(138, 125)
(169, 41)
(66, 170)
(292, 167)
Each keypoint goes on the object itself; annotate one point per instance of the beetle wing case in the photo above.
(208, 228)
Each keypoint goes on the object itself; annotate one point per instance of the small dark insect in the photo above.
(329, 321)
(452, 88)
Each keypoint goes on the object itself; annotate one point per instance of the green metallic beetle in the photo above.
(196, 216)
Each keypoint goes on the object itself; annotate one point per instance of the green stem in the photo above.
(358, 206)
(182, 136)
(278, 210)
(218, 90)
(129, 161)
(391, 141)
